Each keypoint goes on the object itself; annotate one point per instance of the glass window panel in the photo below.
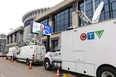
(70, 9)
(106, 8)
(58, 18)
(82, 5)
(114, 6)
(102, 17)
(62, 17)
(70, 15)
(89, 6)
(62, 28)
(112, 0)
(66, 21)
(58, 14)
(58, 23)
(55, 30)
(62, 23)
(90, 17)
(70, 20)
(114, 14)
(58, 29)
(66, 11)
(82, 8)
(66, 15)
(66, 26)
(89, 13)
(107, 15)
(97, 3)
(55, 19)
(55, 16)
(105, 1)
(62, 12)
(88, 1)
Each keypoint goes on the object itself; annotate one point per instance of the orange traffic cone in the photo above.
(58, 74)
(30, 66)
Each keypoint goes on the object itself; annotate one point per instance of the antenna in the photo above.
(95, 17)
(83, 17)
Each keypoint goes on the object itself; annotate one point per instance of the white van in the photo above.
(11, 52)
(34, 53)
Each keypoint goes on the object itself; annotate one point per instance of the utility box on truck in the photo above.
(34, 53)
(89, 50)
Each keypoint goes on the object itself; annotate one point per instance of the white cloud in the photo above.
(12, 11)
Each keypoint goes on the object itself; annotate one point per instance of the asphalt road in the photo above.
(8, 69)
(15, 69)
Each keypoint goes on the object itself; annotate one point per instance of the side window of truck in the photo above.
(57, 48)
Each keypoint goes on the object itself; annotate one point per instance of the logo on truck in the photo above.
(91, 35)
(83, 36)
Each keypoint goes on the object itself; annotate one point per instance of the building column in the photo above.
(13, 38)
(75, 19)
(51, 24)
(9, 39)
(18, 36)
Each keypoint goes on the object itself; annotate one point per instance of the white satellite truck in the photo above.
(12, 52)
(34, 53)
(88, 50)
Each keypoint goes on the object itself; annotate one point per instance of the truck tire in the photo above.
(107, 72)
(27, 62)
(47, 65)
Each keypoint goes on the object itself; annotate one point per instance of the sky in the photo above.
(12, 11)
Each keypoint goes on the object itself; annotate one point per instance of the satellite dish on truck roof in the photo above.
(95, 17)
(97, 13)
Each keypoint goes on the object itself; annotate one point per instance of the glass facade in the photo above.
(2, 45)
(109, 10)
(45, 21)
(27, 30)
(63, 20)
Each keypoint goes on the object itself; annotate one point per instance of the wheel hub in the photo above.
(47, 64)
(107, 74)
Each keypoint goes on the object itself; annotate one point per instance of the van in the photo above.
(34, 53)
(12, 51)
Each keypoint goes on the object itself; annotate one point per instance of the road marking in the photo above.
(2, 75)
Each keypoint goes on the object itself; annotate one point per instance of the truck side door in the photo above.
(56, 54)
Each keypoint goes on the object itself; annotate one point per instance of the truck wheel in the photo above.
(47, 64)
(27, 62)
(107, 72)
